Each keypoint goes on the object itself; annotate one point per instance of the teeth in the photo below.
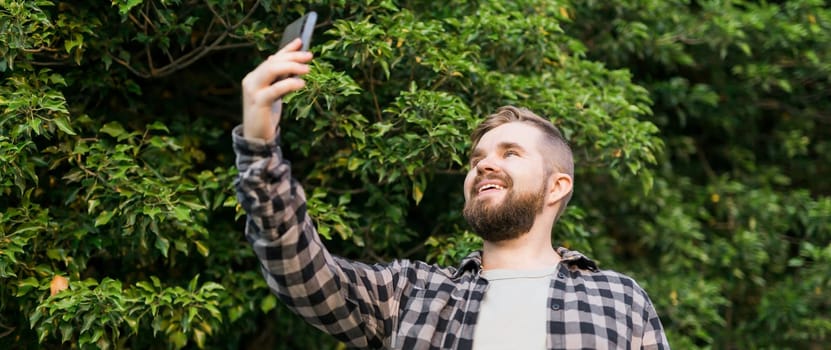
(491, 186)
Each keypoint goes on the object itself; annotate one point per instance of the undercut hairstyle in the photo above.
(557, 153)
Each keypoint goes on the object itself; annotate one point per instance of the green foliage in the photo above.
(93, 314)
(700, 131)
(450, 250)
(737, 92)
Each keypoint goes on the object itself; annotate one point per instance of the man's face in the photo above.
(505, 186)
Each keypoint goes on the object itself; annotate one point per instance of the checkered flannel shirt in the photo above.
(411, 304)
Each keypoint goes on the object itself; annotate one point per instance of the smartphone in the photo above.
(301, 28)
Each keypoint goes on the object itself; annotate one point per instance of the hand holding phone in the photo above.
(263, 87)
(301, 28)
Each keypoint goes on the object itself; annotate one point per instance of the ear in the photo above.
(559, 186)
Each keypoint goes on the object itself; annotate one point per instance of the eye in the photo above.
(474, 161)
(510, 152)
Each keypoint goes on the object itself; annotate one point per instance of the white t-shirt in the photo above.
(513, 313)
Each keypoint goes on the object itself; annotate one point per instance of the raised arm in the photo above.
(352, 301)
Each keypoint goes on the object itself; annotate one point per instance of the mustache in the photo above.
(504, 178)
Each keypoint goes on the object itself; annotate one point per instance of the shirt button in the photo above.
(561, 275)
(555, 307)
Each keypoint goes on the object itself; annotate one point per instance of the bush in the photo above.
(119, 226)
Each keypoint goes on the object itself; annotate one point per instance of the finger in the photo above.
(280, 89)
(273, 66)
(284, 69)
(294, 45)
(268, 72)
(294, 56)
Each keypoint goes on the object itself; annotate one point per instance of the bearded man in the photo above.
(518, 292)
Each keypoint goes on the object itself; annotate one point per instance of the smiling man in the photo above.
(518, 292)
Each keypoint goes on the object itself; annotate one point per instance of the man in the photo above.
(517, 293)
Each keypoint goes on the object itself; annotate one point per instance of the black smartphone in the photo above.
(301, 28)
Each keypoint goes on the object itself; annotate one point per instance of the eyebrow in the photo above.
(501, 146)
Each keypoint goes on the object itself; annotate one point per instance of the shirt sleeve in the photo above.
(352, 301)
(653, 337)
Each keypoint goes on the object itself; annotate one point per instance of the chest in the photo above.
(570, 312)
(516, 306)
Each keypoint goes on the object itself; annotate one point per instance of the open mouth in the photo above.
(490, 188)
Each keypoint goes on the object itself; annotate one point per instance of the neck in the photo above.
(531, 250)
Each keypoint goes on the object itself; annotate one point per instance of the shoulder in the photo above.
(416, 273)
(606, 283)
(421, 274)
(611, 279)
(421, 268)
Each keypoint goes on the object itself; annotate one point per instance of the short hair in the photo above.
(559, 157)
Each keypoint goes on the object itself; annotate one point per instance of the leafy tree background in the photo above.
(701, 133)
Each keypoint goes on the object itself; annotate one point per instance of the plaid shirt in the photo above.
(411, 304)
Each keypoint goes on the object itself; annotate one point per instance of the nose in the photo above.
(486, 165)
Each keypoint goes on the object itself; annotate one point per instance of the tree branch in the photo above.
(129, 67)
(41, 49)
(199, 52)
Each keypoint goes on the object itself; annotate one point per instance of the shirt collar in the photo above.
(472, 262)
(572, 258)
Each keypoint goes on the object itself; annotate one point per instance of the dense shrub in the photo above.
(700, 129)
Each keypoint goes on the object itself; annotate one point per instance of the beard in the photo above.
(507, 220)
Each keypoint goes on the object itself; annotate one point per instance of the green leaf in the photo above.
(745, 49)
(201, 248)
(96, 335)
(181, 245)
(58, 254)
(163, 245)
(178, 339)
(417, 193)
(24, 286)
(108, 61)
(199, 338)
(182, 213)
(66, 332)
(113, 129)
(354, 163)
(34, 317)
(268, 303)
(125, 6)
(104, 217)
(63, 124)
(88, 320)
(157, 125)
(192, 312)
(134, 325)
(211, 286)
(193, 282)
